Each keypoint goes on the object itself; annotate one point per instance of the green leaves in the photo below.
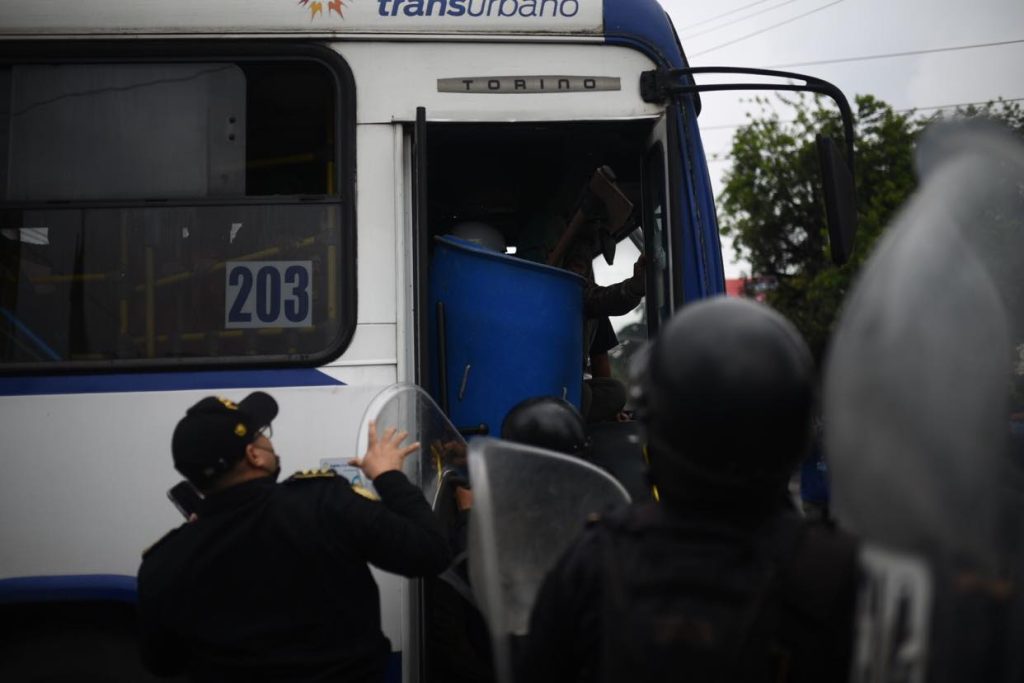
(773, 208)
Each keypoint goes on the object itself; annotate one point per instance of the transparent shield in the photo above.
(919, 393)
(529, 504)
(442, 455)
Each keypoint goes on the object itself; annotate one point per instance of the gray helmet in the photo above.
(546, 422)
(481, 234)
(726, 396)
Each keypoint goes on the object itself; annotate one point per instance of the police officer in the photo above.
(457, 637)
(721, 581)
(271, 582)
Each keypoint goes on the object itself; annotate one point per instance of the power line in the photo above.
(765, 30)
(725, 14)
(897, 54)
(727, 126)
(959, 104)
(736, 21)
(719, 157)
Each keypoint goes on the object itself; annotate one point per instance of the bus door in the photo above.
(494, 326)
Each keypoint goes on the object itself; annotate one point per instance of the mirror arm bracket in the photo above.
(658, 85)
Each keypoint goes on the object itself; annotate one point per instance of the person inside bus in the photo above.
(270, 582)
(570, 244)
(481, 234)
(603, 396)
(723, 580)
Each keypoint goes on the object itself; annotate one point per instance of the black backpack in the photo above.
(699, 599)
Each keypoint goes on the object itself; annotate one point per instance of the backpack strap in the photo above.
(613, 601)
(822, 572)
(809, 607)
(776, 544)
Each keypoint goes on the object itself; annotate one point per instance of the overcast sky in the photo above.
(791, 33)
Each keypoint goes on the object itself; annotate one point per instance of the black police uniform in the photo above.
(272, 583)
(722, 581)
(658, 593)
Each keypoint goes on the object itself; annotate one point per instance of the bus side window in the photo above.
(195, 209)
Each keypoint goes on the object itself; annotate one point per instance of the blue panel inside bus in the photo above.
(513, 330)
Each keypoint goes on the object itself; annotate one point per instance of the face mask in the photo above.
(274, 471)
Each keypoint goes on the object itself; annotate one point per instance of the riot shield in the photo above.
(917, 403)
(442, 455)
(529, 504)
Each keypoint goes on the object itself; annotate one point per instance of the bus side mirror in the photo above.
(836, 172)
(840, 205)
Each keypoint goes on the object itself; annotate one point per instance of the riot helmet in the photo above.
(480, 234)
(546, 422)
(726, 396)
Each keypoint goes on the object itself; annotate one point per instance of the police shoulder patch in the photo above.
(364, 492)
(306, 475)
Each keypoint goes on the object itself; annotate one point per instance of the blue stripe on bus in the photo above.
(88, 587)
(163, 381)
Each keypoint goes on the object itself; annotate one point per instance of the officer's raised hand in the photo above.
(384, 454)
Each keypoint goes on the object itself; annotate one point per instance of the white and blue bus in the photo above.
(214, 196)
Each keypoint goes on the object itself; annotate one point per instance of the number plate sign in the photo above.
(268, 294)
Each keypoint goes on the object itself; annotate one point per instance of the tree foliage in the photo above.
(772, 207)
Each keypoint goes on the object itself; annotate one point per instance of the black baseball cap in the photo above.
(213, 435)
